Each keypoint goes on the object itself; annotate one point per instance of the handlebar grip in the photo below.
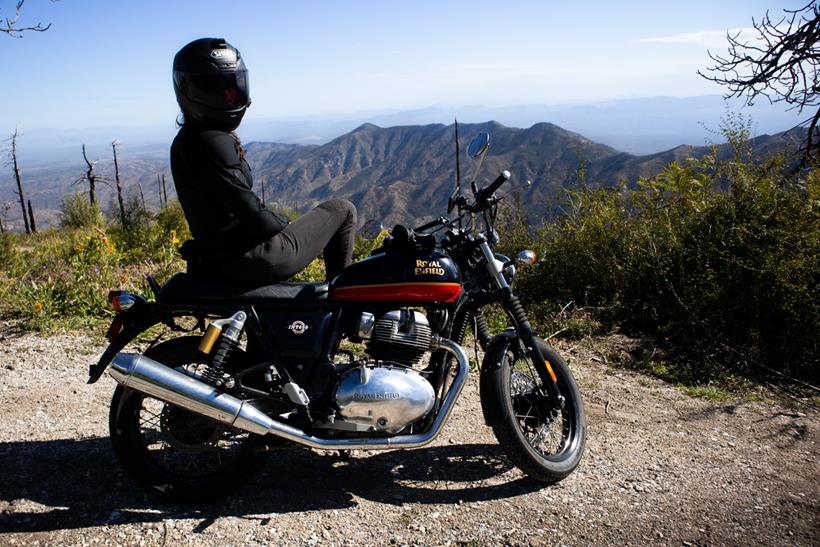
(429, 225)
(488, 191)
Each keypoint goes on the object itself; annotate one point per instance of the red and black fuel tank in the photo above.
(399, 277)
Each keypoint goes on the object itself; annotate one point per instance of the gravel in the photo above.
(660, 468)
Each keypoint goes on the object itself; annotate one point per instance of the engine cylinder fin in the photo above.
(402, 336)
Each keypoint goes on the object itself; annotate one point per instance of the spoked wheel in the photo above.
(544, 441)
(174, 452)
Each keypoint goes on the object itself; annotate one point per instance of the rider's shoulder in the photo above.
(217, 144)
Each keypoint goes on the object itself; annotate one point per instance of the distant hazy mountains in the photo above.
(396, 174)
(639, 126)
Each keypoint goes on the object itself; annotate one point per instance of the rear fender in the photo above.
(134, 321)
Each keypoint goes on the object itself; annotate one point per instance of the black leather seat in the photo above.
(183, 288)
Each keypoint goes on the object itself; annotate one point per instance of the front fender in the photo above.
(135, 321)
(496, 343)
(492, 361)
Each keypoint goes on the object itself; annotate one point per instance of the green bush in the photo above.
(60, 276)
(77, 212)
(719, 257)
(7, 250)
(171, 220)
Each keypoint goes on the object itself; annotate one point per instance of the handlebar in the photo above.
(485, 193)
(482, 201)
(441, 221)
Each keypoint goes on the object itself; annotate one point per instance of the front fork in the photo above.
(523, 327)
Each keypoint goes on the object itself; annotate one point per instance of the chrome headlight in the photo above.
(507, 268)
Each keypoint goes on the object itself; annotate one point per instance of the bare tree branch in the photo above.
(9, 25)
(780, 64)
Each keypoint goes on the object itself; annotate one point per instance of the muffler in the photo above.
(145, 375)
(148, 376)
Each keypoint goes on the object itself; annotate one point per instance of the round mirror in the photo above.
(479, 145)
(371, 229)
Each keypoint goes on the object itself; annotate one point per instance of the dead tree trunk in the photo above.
(114, 144)
(92, 180)
(164, 191)
(159, 190)
(5, 210)
(16, 168)
(142, 197)
(31, 218)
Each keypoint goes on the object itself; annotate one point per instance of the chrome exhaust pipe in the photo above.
(145, 375)
(148, 376)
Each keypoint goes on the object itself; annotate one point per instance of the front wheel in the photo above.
(543, 441)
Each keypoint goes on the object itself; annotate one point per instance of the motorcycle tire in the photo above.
(518, 414)
(176, 453)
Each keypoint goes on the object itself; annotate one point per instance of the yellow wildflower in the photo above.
(38, 307)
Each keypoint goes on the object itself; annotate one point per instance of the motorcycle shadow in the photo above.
(67, 484)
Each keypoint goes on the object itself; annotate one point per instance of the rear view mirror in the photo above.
(371, 229)
(479, 145)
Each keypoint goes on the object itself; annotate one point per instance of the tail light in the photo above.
(121, 300)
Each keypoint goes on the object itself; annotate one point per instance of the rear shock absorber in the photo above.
(231, 329)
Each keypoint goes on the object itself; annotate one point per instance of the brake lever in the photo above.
(513, 189)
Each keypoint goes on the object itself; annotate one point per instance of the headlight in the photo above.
(509, 270)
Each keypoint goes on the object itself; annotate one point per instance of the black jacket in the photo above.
(214, 186)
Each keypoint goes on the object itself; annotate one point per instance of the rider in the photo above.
(236, 237)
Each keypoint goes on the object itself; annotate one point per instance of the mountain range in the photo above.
(406, 173)
(395, 174)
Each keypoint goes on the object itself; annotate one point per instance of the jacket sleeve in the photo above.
(223, 174)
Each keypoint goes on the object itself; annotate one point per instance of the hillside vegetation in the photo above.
(717, 258)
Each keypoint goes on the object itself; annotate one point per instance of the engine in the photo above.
(402, 336)
(388, 395)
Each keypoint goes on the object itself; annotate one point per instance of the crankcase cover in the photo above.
(384, 398)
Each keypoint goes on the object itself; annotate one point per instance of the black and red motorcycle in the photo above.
(372, 360)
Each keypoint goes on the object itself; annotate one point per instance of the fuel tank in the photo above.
(399, 277)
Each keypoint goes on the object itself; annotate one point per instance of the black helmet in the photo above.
(211, 83)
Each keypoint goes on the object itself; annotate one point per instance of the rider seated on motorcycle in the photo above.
(235, 237)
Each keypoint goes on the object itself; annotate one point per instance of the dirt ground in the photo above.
(660, 468)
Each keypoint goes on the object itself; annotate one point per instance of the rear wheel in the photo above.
(174, 452)
(543, 441)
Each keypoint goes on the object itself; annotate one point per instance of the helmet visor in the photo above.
(225, 91)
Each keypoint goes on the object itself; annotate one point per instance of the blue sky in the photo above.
(108, 63)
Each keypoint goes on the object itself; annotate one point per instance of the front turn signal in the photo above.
(526, 256)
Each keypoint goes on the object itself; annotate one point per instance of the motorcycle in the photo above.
(372, 360)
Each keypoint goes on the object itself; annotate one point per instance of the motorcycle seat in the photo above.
(184, 288)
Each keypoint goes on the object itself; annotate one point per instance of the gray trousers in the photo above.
(329, 229)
